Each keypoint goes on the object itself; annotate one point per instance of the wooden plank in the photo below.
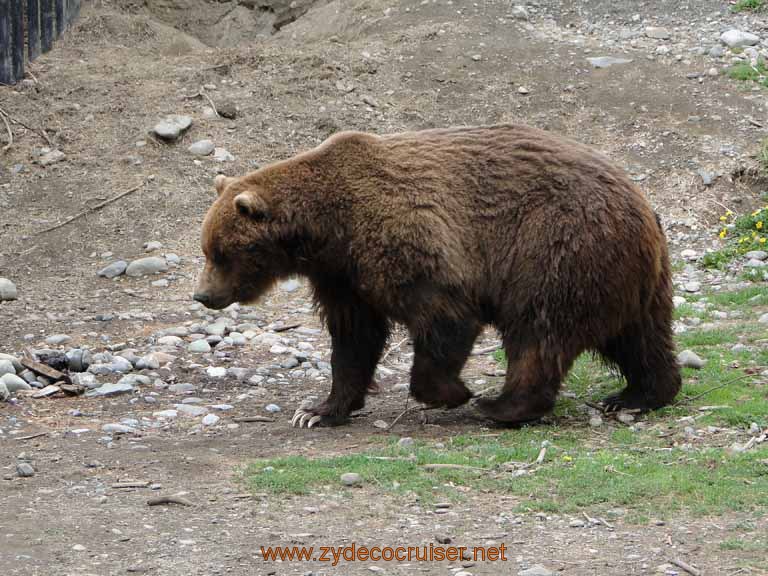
(46, 18)
(59, 9)
(46, 371)
(6, 43)
(17, 26)
(33, 29)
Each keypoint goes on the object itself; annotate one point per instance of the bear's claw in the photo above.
(303, 417)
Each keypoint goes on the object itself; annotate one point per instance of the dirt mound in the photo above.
(223, 24)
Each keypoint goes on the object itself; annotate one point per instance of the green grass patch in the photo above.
(745, 72)
(748, 6)
(636, 474)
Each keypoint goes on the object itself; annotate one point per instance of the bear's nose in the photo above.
(202, 297)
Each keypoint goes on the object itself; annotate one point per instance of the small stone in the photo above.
(4, 394)
(595, 421)
(738, 38)
(380, 424)
(202, 148)
(14, 383)
(114, 269)
(477, 57)
(290, 285)
(273, 408)
(406, 442)
(181, 388)
(763, 319)
(110, 389)
(172, 258)
(171, 127)
(25, 470)
(523, 90)
(152, 245)
(289, 363)
(199, 347)
(146, 266)
(689, 359)
(738, 348)
(51, 157)
(689, 254)
(576, 524)
(216, 371)
(166, 414)
(174, 341)
(607, 61)
(58, 339)
(756, 255)
(7, 290)
(7, 367)
(536, 570)
(210, 420)
(227, 109)
(625, 417)
(657, 33)
(755, 263)
(191, 409)
(351, 479)
(118, 429)
(519, 12)
(78, 360)
(78, 548)
(692, 286)
(222, 155)
(716, 52)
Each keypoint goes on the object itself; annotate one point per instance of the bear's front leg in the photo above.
(358, 336)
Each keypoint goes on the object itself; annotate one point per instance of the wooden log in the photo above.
(6, 43)
(60, 21)
(33, 29)
(17, 27)
(46, 20)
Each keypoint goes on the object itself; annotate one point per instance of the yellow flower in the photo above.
(723, 232)
(759, 225)
(567, 458)
(728, 213)
(756, 212)
(762, 240)
(723, 218)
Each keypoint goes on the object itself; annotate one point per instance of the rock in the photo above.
(216, 371)
(738, 39)
(14, 383)
(119, 429)
(191, 409)
(576, 524)
(406, 442)
(625, 417)
(716, 52)
(519, 12)
(51, 157)
(679, 301)
(152, 245)
(763, 319)
(210, 420)
(135, 380)
(216, 329)
(78, 360)
(6, 367)
(272, 408)
(707, 178)
(381, 424)
(536, 570)
(58, 339)
(351, 479)
(171, 127)
(199, 347)
(110, 389)
(689, 359)
(222, 155)
(756, 255)
(201, 148)
(290, 285)
(755, 263)
(523, 90)
(607, 61)
(657, 33)
(595, 421)
(290, 362)
(173, 259)
(13, 360)
(85, 379)
(692, 286)
(4, 394)
(25, 470)
(148, 362)
(166, 414)
(146, 266)
(256, 380)
(174, 341)
(689, 254)
(738, 348)
(7, 290)
(181, 388)
(227, 109)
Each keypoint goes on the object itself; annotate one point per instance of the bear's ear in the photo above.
(252, 206)
(221, 182)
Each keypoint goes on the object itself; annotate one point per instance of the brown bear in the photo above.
(445, 231)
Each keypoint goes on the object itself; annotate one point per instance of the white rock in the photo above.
(210, 419)
(216, 371)
(201, 148)
(145, 266)
(191, 409)
(222, 155)
(166, 414)
(692, 286)
(171, 127)
(689, 359)
(738, 38)
(199, 346)
(6, 367)
(14, 383)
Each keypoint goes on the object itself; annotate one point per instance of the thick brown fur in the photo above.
(448, 230)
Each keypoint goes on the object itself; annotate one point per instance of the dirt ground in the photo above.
(377, 65)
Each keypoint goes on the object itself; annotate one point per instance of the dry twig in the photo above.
(685, 566)
(168, 500)
(10, 134)
(93, 209)
(41, 132)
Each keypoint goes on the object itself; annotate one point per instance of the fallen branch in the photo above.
(286, 328)
(685, 566)
(489, 349)
(168, 500)
(453, 467)
(403, 413)
(393, 348)
(253, 419)
(10, 134)
(713, 389)
(132, 484)
(32, 436)
(41, 132)
(93, 209)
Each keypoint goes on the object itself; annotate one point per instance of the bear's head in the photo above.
(246, 243)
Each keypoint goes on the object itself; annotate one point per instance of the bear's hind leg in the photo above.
(358, 335)
(644, 354)
(440, 352)
(532, 383)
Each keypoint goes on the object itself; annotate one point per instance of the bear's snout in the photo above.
(203, 297)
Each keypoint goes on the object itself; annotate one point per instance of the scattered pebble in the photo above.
(689, 359)
(7, 290)
(351, 479)
(25, 470)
